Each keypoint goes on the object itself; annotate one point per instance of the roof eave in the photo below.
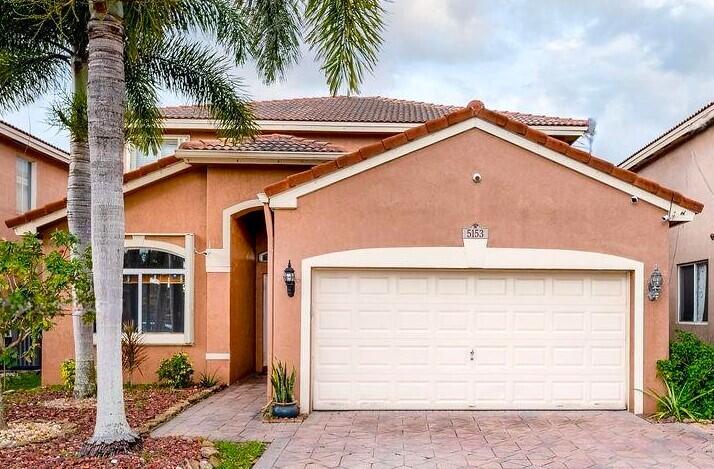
(284, 194)
(254, 157)
(354, 127)
(690, 127)
(36, 144)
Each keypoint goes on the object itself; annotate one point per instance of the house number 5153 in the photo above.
(475, 232)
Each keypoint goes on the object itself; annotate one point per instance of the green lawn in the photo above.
(28, 380)
(239, 455)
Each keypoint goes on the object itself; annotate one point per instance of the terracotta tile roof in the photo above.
(357, 109)
(665, 134)
(35, 138)
(265, 143)
(61, 204)
(477, 109)
(541, 120)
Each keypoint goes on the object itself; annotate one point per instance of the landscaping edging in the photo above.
(209, 457)
(177, 408)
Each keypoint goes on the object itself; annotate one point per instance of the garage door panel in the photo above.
(404, 340)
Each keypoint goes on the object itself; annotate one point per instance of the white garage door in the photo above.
(424, 339)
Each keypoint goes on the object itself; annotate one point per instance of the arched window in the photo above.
(154, 290)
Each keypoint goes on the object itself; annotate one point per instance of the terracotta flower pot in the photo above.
(283, 410)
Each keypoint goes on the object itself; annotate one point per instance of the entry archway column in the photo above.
(218, 298)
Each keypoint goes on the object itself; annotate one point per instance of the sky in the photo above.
(636, 66)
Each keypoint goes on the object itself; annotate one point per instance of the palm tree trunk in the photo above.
(105, 100)
(79, 223)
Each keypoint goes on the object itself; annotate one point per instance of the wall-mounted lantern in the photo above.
(289, 277)
(654, 286)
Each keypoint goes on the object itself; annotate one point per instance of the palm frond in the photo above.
(143, 116)
(26, 74)
(275, 36)
(69, 112)
(346, 36)
(200, 73)
(223, 22)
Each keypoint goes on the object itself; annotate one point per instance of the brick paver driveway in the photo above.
(446, 439)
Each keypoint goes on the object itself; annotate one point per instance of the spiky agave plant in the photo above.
(675, 403)
(283, 383)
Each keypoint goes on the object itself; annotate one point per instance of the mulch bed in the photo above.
(142, 405)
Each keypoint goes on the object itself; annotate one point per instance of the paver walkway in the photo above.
(446, 439)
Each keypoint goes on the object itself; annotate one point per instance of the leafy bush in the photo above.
(283, 383)
(67, 369)
(689, 373)
(176, 371)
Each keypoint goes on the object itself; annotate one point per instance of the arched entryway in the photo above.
(248, 267)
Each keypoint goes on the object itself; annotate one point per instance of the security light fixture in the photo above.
(654, 286)
(289, 277)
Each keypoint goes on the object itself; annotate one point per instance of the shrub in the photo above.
(133, 350)
(689, 373)
(283, 383)
(67, 368)
(176, 371)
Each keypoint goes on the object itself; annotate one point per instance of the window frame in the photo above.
(187, 252)
(694, 265)
(140, 273)
(32, 168)
(180, 138)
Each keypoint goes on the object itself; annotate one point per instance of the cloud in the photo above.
(637, 66)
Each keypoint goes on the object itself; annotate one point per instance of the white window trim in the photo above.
(679, 303)
(127, 148)
(477, 256)
(33, 182)
(188, 254)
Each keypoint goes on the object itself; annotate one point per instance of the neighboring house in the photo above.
(399, 302)
(683, 159)
(32, 174)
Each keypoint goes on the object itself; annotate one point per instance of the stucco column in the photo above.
(218, 324)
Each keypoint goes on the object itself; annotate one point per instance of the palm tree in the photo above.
(42, 42)
(136, 47)
(35, 55)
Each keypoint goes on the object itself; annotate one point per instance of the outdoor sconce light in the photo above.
(289, 277)
(654, 286)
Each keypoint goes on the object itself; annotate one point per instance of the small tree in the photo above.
(35, 286)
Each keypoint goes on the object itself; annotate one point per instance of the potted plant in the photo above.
(284, 405)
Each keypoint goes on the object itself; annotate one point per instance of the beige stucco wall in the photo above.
(689, 168)
(427, 197)
(51, 180)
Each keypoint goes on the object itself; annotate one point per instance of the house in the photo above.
(32, 174)
(400, 255)
(681, 158)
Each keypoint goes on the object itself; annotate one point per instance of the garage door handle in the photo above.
(472, 355)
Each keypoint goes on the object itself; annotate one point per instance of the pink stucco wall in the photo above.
(51, 180)
(689, 168)
(193, 202)
(425, 198)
